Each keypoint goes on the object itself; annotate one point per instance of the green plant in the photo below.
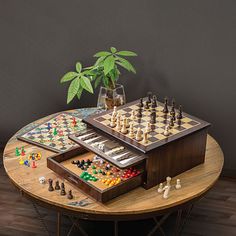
(105, 70)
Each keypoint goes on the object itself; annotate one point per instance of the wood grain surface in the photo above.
(195, 183)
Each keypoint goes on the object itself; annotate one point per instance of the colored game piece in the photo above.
(63, 192)
(49, 126)
(26, 163)
(50, 187)
(22, 151)
(34, 164)
(70, 196)
(60, 132)
(141, 102)
(17, 152)
(21, 161)
(57, 185)
(55, 131)
(74, 121)
(178, 184)
(165, 109)
(138, 136)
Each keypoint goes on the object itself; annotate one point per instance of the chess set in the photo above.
(114, 151)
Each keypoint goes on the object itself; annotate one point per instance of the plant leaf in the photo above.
(113, 50)
(99, 60)
(68, 76)
(98, 81)
(126, 64)
(126, 53)
(108, 64)
(102, 54)
(73, 89)
(78, 67)
(105, 81)
(79, 93)
(86, 84)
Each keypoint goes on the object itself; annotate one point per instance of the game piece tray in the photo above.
(62, 165)
(44, 137)
(189, 124)
(90, 138)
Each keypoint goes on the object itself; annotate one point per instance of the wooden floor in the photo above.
(213, 215)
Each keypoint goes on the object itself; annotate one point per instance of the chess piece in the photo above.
(22, 151)
(166, 190)
(178, 184)
(131, 131)
(165, 109)
(139, 134)
(118, 124)
(154, 102)
(168, 179)
(124, 129)
(160, 189)
(166, 131)
(70, 196)
(149, 95)
(171, 122)
(127, 122)
(57, 185)
(63, 192)
(132, 117)
(50, 187)
(180, 115)
(145, 137)
(114, 113)
(146, 105)
(148, 127)
(141, 102)
(112, 122)
(139, 113)
(153, 117)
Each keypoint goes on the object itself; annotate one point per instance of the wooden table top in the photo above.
(195, 183)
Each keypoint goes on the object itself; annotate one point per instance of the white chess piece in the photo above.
(112, 122)
(166, 131)
(123, 129)
(114, 113)
(145, 137)
(131, 131)
(132, 117)
(118, 123)
(178, 184)
(148, 127)
(139, 134)
(168, 179)
(127, 122)
(160, 189)
(166, 192)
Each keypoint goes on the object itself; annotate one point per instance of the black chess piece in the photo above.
(63, 192)
(141, 102)
(154, 102)
(57, 186)
(171, 122)
(50, 187)
(146, 105)
(153, 118)
(139, 113)
(180, 115)
(149, 95)
(70, 196)
(165, 109)
(173, 105)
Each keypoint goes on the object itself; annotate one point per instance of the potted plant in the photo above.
(105, 71)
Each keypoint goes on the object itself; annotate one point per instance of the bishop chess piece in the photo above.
(50, 187)
(57, 185)
(139, 134)
(70, 196)
(63, 192)
(165, 109)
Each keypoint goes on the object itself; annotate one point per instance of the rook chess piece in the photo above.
(160, 188)
(50, 187)
(70, 196)
(138, 134)
(178, 184)
(165, 109)
(57, 186)
(63, 192)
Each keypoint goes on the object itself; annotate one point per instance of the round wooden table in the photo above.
(136, 204)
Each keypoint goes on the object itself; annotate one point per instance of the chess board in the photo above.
(156, 136)
(44, 137)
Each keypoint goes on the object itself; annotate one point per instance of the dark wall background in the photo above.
(187, 50)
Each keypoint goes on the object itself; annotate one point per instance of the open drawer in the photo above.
(95, 176)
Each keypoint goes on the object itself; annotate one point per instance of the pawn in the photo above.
(160, 189)
(17, 152)
(145, 137)
(168, 179)
(132, 117)
(139, 134)
(166, 192)
(112, 123)
(50, 187)
(124, 129)
(178, 184)
(57, 186)
(131, 131)
(166, 131)
(171, 122)
(118, 124)
(139, 113)
(63, 192)
(70, 196)
(148, 127)
(146, 105)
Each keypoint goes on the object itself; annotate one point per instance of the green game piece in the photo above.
(17, 152)
(55, 131)
(93, 167)
(95, 172)
(100, 171)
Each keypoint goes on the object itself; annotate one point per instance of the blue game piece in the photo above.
(26, 163)
(49, 126)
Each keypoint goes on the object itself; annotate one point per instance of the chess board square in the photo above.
(193, 123)
(160, 136)
(153, 139)
(160, 125)
(186, 126)
(186, 120)
(180, 128)
(160, 118)
(100, 119)
(128, 109)
(153, 133)
(159, 130)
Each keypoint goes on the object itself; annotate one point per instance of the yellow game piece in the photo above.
(108, 173)
(21, 162)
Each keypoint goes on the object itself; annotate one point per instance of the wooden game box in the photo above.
(163, 156)
(61, 164)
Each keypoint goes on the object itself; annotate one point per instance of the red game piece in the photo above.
(74, 121)
(22, 151)
(33, 164)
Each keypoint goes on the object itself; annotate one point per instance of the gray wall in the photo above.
(186, 50)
